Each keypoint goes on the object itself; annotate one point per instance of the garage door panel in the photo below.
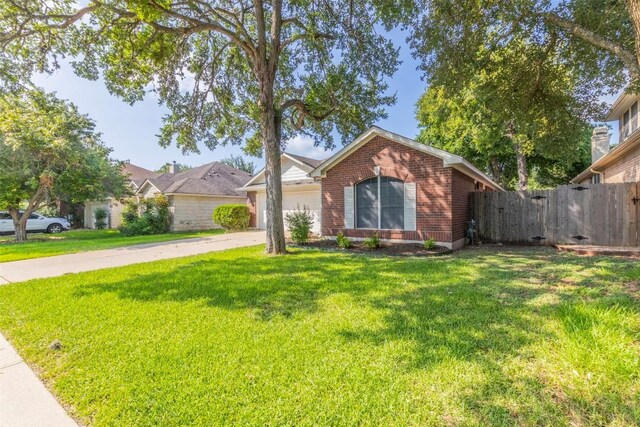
(290, 202)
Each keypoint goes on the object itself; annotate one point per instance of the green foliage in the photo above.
(49, 151)
(372, 242)
(152, 216)
(241, 163)
(343, 241)
(330, 62)
(522, 103)
(429, 244)
(475, 338)
(165, 168)
(100, 215)
(232, 216)
(453, 39)
(300, 223)
(50, 211)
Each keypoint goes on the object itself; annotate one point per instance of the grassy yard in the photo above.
(40, 245)
(481, 337)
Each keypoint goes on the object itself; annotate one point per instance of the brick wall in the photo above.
(433, 187)
(251, 203)
(625, 169)
(195, 212)
(463, 185)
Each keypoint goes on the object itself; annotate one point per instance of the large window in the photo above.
(380, 203)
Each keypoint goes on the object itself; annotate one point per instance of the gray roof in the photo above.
(215, 179)
(137, 174)
(314, 163)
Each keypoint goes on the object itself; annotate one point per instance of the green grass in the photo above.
(481, 337)
(41, 245)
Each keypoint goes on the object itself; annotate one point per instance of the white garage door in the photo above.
(290, 202)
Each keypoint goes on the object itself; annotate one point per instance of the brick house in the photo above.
(399, 188)
(620, 163)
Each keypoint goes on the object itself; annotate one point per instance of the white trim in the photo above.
(146, 181)
(305, 166)
(449, 159)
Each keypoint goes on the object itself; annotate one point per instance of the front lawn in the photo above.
(40, 245)
(481, 337)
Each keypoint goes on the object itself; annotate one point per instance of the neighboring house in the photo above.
(622, 162)
(298, 190)
(195, 193)
(381, 183)
(137, 175)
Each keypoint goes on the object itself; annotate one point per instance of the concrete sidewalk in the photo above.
(18, 271)
(24, 400)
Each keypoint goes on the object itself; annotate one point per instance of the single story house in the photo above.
(380, 183)
(136, 175)
(194, 194)
(298, 190)
(622, 162)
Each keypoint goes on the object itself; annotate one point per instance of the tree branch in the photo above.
(628, 58)
(303, 112)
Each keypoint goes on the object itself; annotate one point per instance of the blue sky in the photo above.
(131, 130)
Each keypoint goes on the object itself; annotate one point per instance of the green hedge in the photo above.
(232, 216)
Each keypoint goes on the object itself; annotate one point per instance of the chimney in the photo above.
(599, 143)
(174, 168)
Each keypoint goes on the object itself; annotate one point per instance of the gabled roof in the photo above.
(449, 159)
(306, 164)
(620, 105)
(314, 163)
(212, 179)
(137, 174)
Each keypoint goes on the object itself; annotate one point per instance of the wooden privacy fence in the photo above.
(593, 214)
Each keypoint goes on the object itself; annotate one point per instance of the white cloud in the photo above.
(303, 146)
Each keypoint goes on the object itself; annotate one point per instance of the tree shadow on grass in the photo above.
(479, 307)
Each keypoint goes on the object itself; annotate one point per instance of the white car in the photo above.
(35, 224)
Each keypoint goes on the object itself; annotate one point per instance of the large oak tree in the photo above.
(248, 72)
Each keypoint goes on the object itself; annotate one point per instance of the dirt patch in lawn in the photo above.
(387, 248)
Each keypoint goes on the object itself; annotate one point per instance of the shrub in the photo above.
(100, 215)
(232, 216)
(152, 216)
(343, 241)
(430, 244)
(372, 242)
(300, 222)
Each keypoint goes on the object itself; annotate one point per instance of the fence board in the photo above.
(605, 214)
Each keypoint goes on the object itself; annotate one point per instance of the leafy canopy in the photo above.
(207, 61)
(48, 151)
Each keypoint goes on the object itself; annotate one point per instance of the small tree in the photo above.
(100, 215)
(48, 151)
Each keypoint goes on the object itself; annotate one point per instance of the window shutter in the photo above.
(348, 207)
(410, 206)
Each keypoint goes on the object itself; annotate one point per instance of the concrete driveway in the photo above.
(18, 271)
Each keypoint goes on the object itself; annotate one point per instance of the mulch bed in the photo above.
(387, 248)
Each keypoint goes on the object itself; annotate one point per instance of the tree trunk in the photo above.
(19, 225)
(521, 159)
(523, 173)
(270, 133)
(633, 6)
